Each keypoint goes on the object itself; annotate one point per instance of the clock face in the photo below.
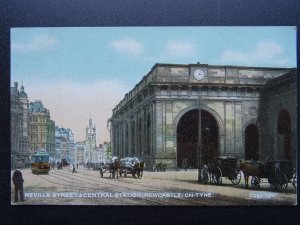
(199, 74)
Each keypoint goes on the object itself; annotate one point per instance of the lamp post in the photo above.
(175, 152)
(199, 146)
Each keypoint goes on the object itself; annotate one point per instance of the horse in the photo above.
(212, 168)
(114, 167)
(252, 168)
(139, 168)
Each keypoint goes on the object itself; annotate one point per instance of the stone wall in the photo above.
(232, 95)
(280, 94)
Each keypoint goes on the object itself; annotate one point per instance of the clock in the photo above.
(199, 74)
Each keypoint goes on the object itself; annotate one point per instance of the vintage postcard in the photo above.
(185, 116)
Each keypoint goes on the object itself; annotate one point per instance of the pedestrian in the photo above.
(205, 177)
(74, 170)
(17, 179)
(77, 165)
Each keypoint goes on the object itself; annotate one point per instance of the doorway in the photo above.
(187, 139)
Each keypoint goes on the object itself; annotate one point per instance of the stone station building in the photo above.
(186, 115)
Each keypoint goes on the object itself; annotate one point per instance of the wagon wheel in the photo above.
(283, 182)
(237, 178)
(255, 182)
(216, 177)
(294, 181)
(279, 183)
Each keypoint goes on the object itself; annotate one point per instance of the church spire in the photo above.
(90, 121)
(22, 87)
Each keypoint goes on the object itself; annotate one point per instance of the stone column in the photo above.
(129, 136)
(153, 136)
(136, 134)
(229, 128)
(159, 127)
(238, 148)
(169, 133)
(163, 127)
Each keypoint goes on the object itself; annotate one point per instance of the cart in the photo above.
(224, 166)
(278, 173)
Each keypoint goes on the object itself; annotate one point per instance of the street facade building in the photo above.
(79, 151)
(20, 145)
(104, 155)
(91, 143)
(187, 115)
(42, 128)
(64, 143)
(58, 144)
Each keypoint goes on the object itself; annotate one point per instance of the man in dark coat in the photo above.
(205, 177)
(18, 182)
(74, 170)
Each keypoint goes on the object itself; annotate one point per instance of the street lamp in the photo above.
(199, 142)
(199, 146)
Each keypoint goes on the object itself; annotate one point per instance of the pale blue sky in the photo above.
(95, 67)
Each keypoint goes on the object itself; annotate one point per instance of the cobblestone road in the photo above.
(86, 187)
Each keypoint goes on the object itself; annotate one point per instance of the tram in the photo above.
(40, 162)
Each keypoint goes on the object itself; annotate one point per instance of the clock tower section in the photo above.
(91, 142)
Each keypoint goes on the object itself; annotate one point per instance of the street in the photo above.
(86, 187)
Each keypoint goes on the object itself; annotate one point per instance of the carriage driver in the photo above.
(134, 161)
(113, 159)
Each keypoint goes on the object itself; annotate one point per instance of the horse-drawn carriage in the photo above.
(224, 166)
(112, 166)
(125, 166)
(278, 173)
(132, 166)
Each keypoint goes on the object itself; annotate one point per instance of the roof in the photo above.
(223, 66)
(286, 77)
(23, 95)
(36, 106)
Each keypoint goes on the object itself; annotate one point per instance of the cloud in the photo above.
(38, 43)
(70, 104)
(128, 47)
(181, 49)
(263, 52)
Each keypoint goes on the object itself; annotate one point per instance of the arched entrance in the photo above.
(284, 132)
(251, 142)
(187, 138)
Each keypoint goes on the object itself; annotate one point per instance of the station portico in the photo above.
(188, 114)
